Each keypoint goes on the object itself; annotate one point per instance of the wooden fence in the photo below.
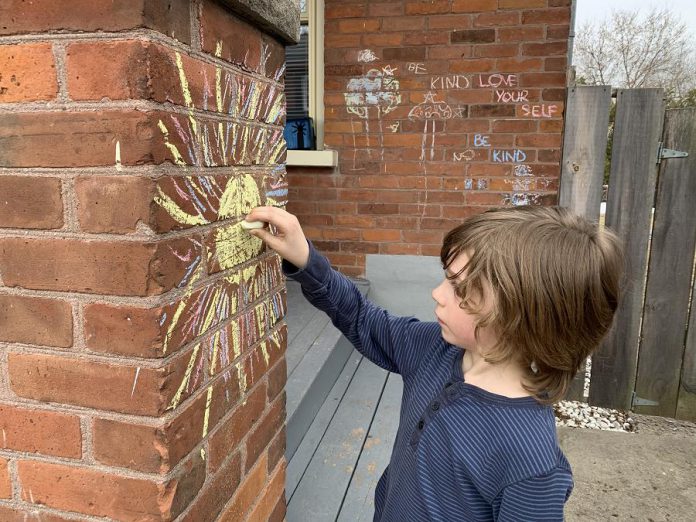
(647, 362)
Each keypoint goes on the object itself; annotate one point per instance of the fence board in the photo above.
(584, 145)
(686, 403)
(637, 131)
(582, 169)
(665, 313)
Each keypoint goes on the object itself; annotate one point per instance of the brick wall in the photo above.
(438, 109)
(141, 335)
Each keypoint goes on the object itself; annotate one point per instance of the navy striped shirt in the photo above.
(461, 453)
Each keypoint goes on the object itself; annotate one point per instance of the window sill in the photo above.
(312, 158)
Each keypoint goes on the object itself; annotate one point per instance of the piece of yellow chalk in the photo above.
(249, 225)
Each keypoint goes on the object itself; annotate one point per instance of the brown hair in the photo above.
(555, 281)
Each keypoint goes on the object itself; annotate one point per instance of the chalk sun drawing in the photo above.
(190, 200)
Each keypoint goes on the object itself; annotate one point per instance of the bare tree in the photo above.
(630, 50)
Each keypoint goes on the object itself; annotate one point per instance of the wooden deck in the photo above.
(343, 410)
(335, 459)
(335, 470)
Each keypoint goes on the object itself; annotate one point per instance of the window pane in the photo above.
(303, 7)
(297, 76)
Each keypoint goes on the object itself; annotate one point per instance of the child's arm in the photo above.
(535, 499)
(372, 330)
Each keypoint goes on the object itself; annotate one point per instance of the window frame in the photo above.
(314, 18)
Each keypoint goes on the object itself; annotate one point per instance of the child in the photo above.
(528, 293)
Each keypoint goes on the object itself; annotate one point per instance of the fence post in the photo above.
(637, 131)
(582, 167)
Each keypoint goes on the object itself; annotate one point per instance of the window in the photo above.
(304, 82)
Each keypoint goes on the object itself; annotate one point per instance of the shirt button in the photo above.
(435, 406)
(421, 423)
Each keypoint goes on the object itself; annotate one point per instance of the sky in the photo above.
(597, 10)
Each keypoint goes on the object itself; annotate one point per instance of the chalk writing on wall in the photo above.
(366, 56)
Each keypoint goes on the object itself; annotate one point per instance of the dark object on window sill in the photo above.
(299, 134)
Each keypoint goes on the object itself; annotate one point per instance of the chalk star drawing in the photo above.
(430, 110)
(395, 126)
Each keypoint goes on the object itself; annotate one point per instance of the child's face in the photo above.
(458, 325)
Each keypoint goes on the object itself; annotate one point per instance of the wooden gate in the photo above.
(647, 362)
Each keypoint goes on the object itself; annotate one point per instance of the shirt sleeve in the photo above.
(535, 499)
(393, 343)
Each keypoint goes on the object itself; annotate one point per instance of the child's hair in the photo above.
(554, 278)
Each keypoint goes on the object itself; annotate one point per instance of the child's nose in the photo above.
(436, 293)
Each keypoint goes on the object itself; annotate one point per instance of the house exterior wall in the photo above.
(438, 109)
(141, 330)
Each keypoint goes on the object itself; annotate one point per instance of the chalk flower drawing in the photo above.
(430, 110)
(372, 95)
(206, 199)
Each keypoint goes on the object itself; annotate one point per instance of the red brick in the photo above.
(497, 19)
(5, 480)
(28, 72)
(474, 36)
(276, 450)
(495, 51)
(236, 426)
(520, 34)
(341, 40)
(158, 449)
(400, 249)
(359, 25)
(107, 267)
(242, 44)
(449, 22)
(555, 64)
(538, 140)
(130, 446)
(279, 512)
(220, 489)
(123, 330)
(381, 235)
(98, 493)
(275, 489)
(426, 38)
(247, 493)
(263, 433)
(66, 380)
(404, 53)
(30, 202)
(514, 126)
(505, 65)
(40, 431)
(546, 16)
(171, 18)
(557, 32)
(391, 9)
(473, 65)
(520, 4)
(34, 320)
(545, 49)
(420, 7)
(277, 376)
(8, 514)
(474, 6)
(545, 79)
(100, 203)
(345, 11)
(404, 23)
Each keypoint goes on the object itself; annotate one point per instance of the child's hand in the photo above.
(289, 240)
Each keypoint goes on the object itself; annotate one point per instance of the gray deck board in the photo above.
(326, 479)
(359, 505)
(303, 455)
